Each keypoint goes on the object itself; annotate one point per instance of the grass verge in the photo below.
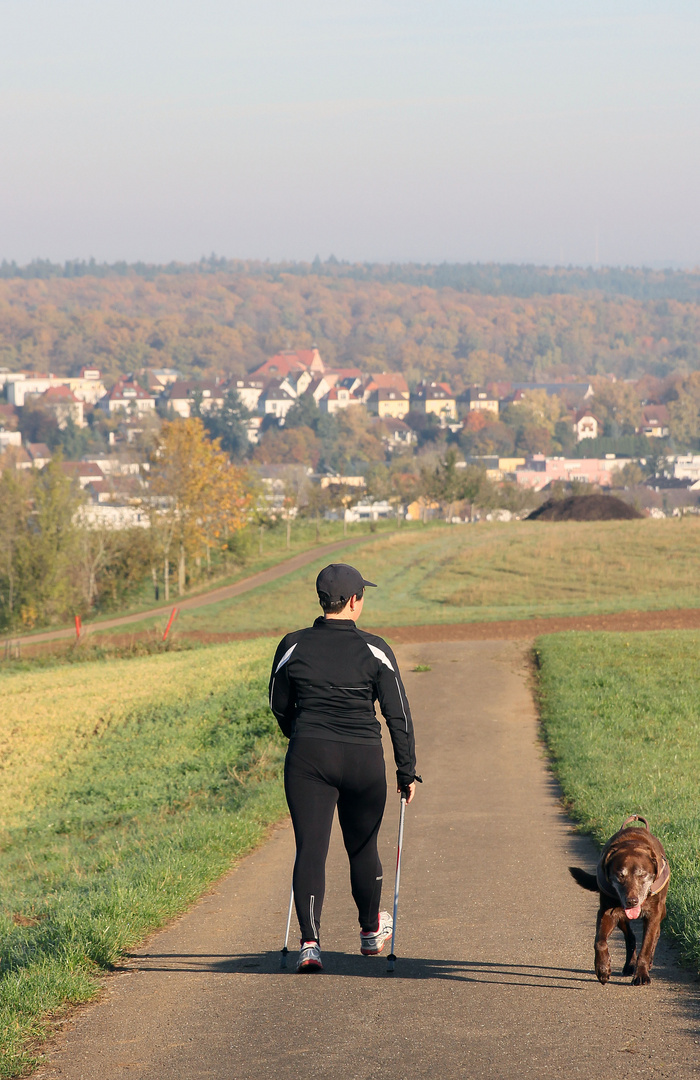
(621, 717)
(127, 801)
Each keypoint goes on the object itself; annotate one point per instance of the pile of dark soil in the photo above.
(585, 508)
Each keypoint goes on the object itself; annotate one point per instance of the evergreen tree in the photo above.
(227, 423)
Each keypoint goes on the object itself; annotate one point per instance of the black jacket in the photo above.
(325, 680)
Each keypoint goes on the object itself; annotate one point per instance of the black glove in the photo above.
(405, 782)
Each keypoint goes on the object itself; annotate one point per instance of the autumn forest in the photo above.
(220, 317)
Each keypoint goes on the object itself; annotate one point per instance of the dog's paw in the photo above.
(628, 969)
(641, 978)
(602, 975)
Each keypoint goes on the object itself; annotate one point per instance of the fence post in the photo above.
(171, 620)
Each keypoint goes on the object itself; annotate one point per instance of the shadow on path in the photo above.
(342, 964)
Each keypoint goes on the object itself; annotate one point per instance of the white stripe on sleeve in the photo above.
(286, 656)
(380, 656)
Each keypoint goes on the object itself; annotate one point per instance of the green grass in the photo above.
(621, 717)
(518, 570)
(131, 786)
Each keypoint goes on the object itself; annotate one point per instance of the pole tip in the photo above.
(283, 958)
(390, 961)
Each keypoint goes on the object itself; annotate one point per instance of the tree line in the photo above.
(56, 563)
(490, 279)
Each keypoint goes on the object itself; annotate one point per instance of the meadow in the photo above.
(486, 572)
(621, 718)
(127, 788)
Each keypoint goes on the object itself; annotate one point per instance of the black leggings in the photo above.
(318, 774)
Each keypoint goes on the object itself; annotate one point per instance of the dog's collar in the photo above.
(661, 879)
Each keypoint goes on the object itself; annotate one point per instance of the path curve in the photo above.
(494, 978)
(226, 592)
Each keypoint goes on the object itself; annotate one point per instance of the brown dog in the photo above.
(632, 879)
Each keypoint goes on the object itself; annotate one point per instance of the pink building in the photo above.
(538, 471)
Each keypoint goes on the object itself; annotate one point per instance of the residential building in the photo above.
(687, 467)
(127, 394)
(339, 480)
(477, 399)
(585, 425)
(181, 395)
(395, 434)
(436, 399)
(84, 472)
(62, 402)
(39, 453)
(539, 471)
(350, 377)
(249, 391)
(110, 516)
(29, 384)
(88, 385)
(654, 422)
(8, 417)
(383, 402)
(252, 426)
(386, 380)
(571, 392)
(337, 398)
(9, 438)
(290, 360)
(422, 509)
(276, 400)
(368, 510)
(318, 388)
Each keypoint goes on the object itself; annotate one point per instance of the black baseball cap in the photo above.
(339, 581)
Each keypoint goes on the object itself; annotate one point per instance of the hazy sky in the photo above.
(429, 130)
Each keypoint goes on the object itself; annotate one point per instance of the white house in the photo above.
(126, 394)
(585, 425)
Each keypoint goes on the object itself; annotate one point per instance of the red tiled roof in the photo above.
(82, 468)
(655, 414)
(117, 391)
(388, 380)
(59, 394)
(283, 363)
(38, 450)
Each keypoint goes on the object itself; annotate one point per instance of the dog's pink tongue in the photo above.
(633, 912)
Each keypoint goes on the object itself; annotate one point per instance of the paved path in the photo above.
(495, 941)
(226, 592)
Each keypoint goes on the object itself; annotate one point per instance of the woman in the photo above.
(323, 685)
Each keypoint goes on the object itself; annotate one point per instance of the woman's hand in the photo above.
(409, 792)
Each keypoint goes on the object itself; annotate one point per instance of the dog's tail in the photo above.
(584, 879)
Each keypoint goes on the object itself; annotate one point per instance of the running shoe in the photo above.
(372, 943)
(309, 957)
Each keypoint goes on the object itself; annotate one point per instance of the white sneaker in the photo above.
(309, 957)
(372, 943)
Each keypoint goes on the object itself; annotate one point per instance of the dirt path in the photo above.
(226, 592)
(495, 941)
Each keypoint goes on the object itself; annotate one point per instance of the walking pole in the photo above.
(391, 959)
(285, 950)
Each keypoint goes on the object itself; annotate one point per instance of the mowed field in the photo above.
(126, 787)
(487, 572)
(621, 718)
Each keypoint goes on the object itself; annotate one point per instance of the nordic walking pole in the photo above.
(285, 950)
(391, 959)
